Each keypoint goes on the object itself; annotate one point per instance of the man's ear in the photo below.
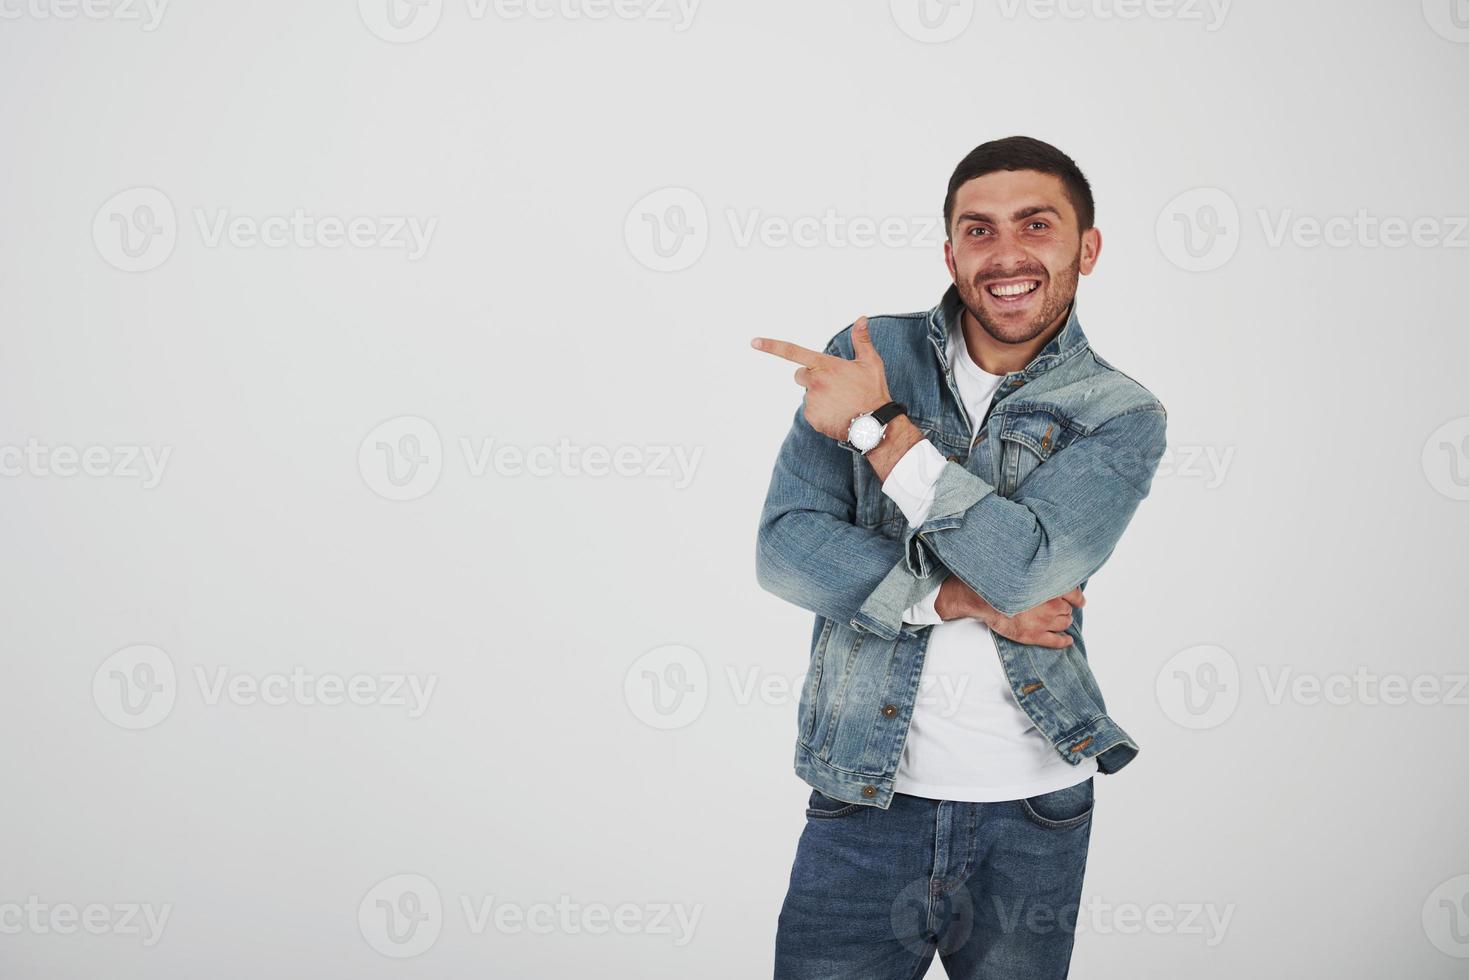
(1091, 249)
(949, 260)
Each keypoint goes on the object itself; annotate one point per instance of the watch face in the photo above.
(865, 432)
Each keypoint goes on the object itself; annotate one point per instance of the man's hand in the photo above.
(1041, 625)
(837, 390)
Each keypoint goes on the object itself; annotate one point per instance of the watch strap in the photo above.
(890, 411)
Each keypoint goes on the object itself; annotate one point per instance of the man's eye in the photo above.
(976, 232)
(1040, 225)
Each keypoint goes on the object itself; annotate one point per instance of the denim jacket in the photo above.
(1031, 511)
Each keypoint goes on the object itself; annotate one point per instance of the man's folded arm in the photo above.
(1050, 536)
(809, 550)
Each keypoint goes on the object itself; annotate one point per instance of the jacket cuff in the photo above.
(882, 611)
(954, 493)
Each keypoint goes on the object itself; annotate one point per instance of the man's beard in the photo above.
(1058, 298)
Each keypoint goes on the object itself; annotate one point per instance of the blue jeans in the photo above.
(993, 888)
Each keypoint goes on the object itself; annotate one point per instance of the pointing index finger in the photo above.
(789, 351)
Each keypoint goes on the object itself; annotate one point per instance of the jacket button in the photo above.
(888, 710)
(869, 791)
(953, 459)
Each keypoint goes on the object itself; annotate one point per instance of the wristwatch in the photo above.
(866, 430)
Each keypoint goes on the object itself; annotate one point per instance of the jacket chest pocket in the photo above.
(1029, 437)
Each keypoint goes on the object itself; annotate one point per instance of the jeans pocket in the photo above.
(1061, 809)
(823, 806)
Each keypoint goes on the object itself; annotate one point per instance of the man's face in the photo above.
(1015, 252)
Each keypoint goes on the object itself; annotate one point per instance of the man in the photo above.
(950, 483)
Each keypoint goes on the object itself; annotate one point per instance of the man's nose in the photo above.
(1008, 256)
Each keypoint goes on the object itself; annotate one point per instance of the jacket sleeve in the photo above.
(810, 550)
(1058, 528)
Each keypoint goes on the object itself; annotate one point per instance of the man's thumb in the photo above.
(861, 340)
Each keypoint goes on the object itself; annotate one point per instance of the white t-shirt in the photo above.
(968, 739)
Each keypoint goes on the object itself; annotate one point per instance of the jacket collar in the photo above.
(1067, 343)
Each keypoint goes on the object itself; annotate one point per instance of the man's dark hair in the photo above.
(1022, 153)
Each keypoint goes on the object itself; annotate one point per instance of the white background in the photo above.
(544, 768)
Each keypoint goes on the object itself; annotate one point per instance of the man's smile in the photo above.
(1012, 293)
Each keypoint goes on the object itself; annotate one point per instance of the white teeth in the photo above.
(1015, 289)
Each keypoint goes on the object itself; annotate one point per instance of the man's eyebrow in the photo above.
(1020, 215)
